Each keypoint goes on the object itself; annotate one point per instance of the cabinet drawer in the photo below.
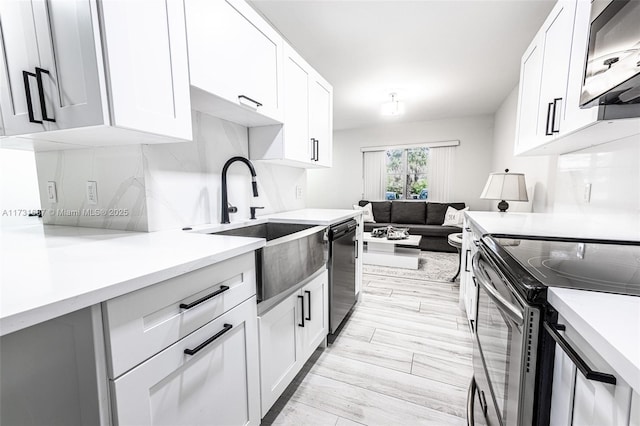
(219, 384)
(141, 324)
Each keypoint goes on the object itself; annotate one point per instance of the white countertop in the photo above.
(624, 227)
(314, 216)
(48, 271)
(609, 322)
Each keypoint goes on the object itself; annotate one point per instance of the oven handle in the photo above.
(511, 310)
(471, 396)
(580, 363)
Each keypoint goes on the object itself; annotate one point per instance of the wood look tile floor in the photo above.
(402, 358)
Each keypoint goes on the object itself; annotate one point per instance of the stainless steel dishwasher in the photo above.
(342, 273)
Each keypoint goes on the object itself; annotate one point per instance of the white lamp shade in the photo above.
(505, 186)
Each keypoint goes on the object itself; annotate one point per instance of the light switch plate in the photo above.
(92, 193)
(52, 196)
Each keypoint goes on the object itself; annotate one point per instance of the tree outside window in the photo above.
(407, 173)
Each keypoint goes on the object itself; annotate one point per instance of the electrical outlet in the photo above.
(52, 196)
(298, 192)
(587, 193)
(92, 192)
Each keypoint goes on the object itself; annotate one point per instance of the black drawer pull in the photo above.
(308, 318)
(27, 89)
(43, 104)
(258, 104)
(198, 348)
(466, 261)
(222, 289)
(555, 114)
(584, 368)
(301, 298)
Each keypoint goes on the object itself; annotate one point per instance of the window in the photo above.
(407, 173)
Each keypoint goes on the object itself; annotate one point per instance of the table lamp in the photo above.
(505, 186)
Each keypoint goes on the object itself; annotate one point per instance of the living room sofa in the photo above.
(422, 218)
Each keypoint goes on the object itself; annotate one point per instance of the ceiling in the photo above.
(448, 58)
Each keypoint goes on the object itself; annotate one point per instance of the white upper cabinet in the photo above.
(235, 62)
(306, 138)
(543, 79)
(86, 72)
(321, 121)
(550, 120)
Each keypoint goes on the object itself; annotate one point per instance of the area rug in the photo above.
(432, 266)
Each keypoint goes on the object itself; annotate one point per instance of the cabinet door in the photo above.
(296, 108)
(19, 50)
(148, 66)
(529, 97)
(574, 116)
(217, 385)
(564, 378)
(234, 54)
(314, 311)
(66, 39)
(320, 117)
(555, 41)
(465, 264)
(597, 403)
(280, 357)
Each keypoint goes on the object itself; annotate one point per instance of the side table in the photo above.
(455, 240)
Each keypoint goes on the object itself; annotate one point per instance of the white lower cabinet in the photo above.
(468, 285)
(217, 384)
(576, 400)
(289, 333)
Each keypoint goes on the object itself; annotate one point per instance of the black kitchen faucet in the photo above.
(226, 207)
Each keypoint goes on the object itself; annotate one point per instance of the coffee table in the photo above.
(384, 252)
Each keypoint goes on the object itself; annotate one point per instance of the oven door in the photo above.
(500, 345)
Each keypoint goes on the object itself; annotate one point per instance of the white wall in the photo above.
(341, 186)
(18, 182)
(167, 186)
(539, 171)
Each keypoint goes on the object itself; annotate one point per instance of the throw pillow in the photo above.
(367, 212)
(454, 217)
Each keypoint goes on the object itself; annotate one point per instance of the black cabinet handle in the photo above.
(546, 127)
(555, 114)
(301, 298)
(356, 249)
(222, 289)
(201, 346)
(308, 318)
(313, 149)
(584, 368)
(466, 261)
(43, 104)
(317, 149)
(258, 104)
(27, 89)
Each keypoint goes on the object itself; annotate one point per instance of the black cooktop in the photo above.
(595, 266)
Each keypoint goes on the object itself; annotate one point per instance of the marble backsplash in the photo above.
(165, 186)
(612, 169)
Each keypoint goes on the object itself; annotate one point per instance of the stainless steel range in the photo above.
(517, 331)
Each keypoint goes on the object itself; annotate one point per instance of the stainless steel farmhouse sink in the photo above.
(293, 253)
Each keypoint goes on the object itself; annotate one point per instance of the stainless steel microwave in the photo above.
(612, 72)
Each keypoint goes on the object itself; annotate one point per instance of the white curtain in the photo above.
(374, 175)
(440, 173)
